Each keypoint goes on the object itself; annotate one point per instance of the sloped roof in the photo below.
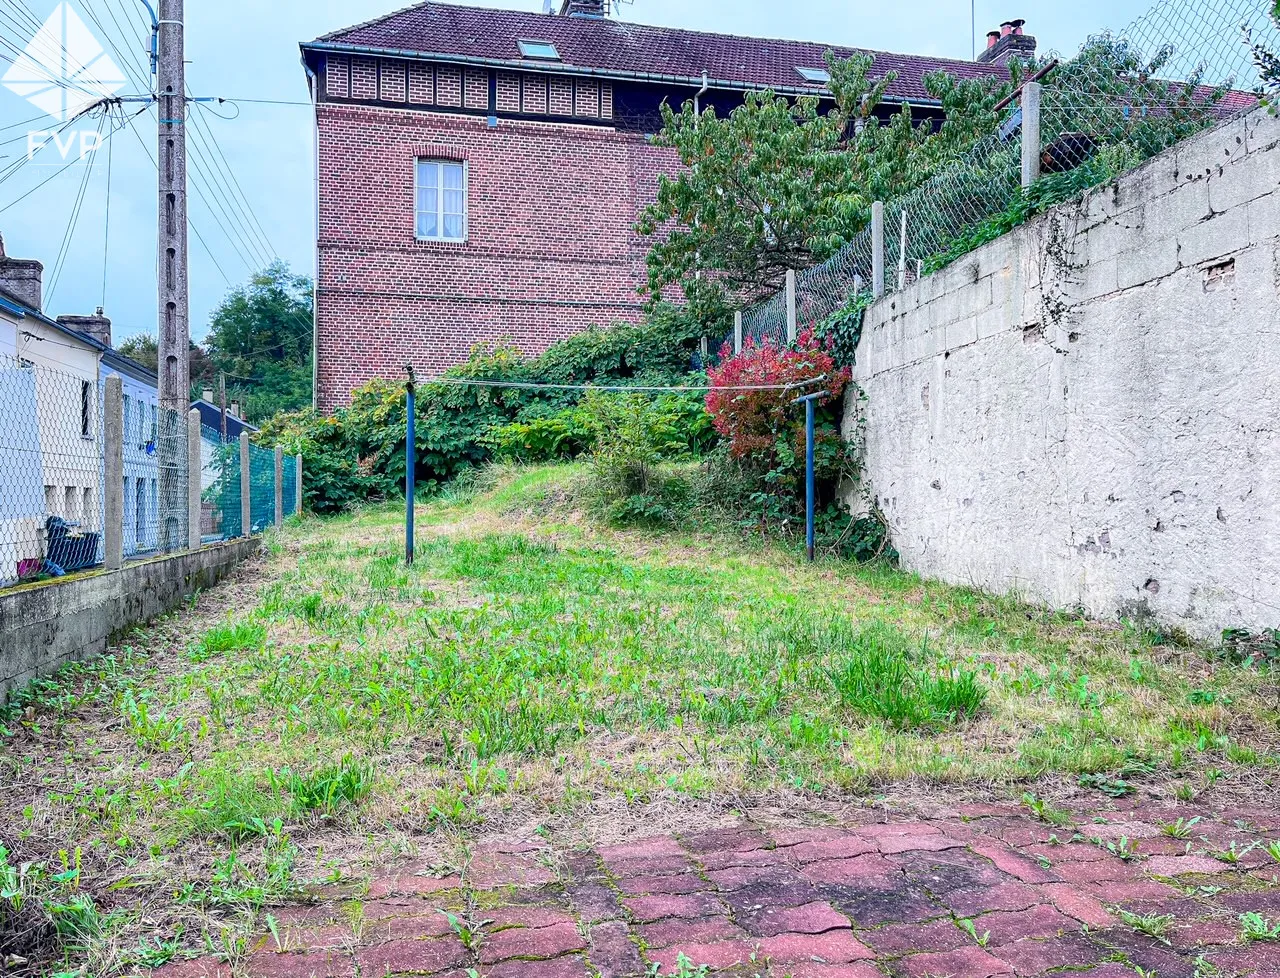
(613, 47)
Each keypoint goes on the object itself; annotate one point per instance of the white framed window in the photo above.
(441, 200)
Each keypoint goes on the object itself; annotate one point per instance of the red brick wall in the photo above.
(549, 251)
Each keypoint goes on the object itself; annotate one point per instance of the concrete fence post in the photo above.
(877, 249)
(113, 472)
(297, 502)
(737, 333)
(246, 488)
(279, 487)
(791, 305)
(195, 466)
(1030, 133)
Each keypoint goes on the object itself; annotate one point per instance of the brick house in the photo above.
(480, 171)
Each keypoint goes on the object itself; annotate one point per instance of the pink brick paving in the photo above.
(865, 901)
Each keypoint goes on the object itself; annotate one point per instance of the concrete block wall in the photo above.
(1086, 412)
(44, 626)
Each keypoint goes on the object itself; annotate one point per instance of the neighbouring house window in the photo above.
(442, 200)
(86, 409)
(542, 50)
(818, 76)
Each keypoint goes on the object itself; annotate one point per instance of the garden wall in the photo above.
(43, 626)
(1086, 412)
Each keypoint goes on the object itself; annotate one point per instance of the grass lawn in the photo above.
(534, 672)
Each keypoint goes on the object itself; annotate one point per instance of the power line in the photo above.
(194, 230)
(74, 221)
(55, 174)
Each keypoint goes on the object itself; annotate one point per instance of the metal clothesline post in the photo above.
(410, 464)
(808, 402)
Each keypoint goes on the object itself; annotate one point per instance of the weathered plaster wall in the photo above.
(1087, 411)
(43, 626)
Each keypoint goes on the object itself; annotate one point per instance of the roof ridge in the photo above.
(378, 20)
(651, 27)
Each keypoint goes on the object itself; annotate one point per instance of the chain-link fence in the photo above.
(53, 475)
(290, 482)
(51, 471)
(1176, 71)
(262, 488)
(219, 486)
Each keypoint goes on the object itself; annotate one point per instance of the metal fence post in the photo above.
(279, 487)
(297, 502)
(1030, 133)
(737, 333)
(113, 472)
(791, 305)
(877, 249)
(195, 467)
(246, 488)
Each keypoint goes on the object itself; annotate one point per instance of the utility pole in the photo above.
(222, 398)
(175, 325)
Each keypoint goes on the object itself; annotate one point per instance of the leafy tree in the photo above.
(261, 337)
(145, 350)
(142, 348)
(1268, 63)
(779, 184)
(761, 191)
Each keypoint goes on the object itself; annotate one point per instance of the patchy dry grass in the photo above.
(532, 671)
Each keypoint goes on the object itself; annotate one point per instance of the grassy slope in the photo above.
(531, 670)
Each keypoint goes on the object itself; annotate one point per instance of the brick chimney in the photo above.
(21, 279)
(584, 8)
(1007, 43)
(98, 326)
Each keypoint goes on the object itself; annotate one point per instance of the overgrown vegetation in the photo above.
(535, 671)
(358, 454)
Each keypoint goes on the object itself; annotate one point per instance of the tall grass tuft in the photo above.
(879, 679)
(331, 788)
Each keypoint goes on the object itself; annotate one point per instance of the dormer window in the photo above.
(815, 76)
(542, 50)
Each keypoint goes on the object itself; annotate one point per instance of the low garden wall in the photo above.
(43, 626)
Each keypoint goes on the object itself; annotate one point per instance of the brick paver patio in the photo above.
(862, 901)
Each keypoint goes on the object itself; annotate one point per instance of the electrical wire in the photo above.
(74, 220)
(194, 230)
(68, 60)
(51, 177)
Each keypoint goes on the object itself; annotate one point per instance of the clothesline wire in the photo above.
(529, 385)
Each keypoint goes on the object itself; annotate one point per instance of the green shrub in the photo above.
(566, 434)
(358, 454)
(636, 436)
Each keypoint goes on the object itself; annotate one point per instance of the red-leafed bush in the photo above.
(765, 428)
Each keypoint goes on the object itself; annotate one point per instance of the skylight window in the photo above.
(818, 76)
(544, 50)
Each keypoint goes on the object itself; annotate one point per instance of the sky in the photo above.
(263, 205)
